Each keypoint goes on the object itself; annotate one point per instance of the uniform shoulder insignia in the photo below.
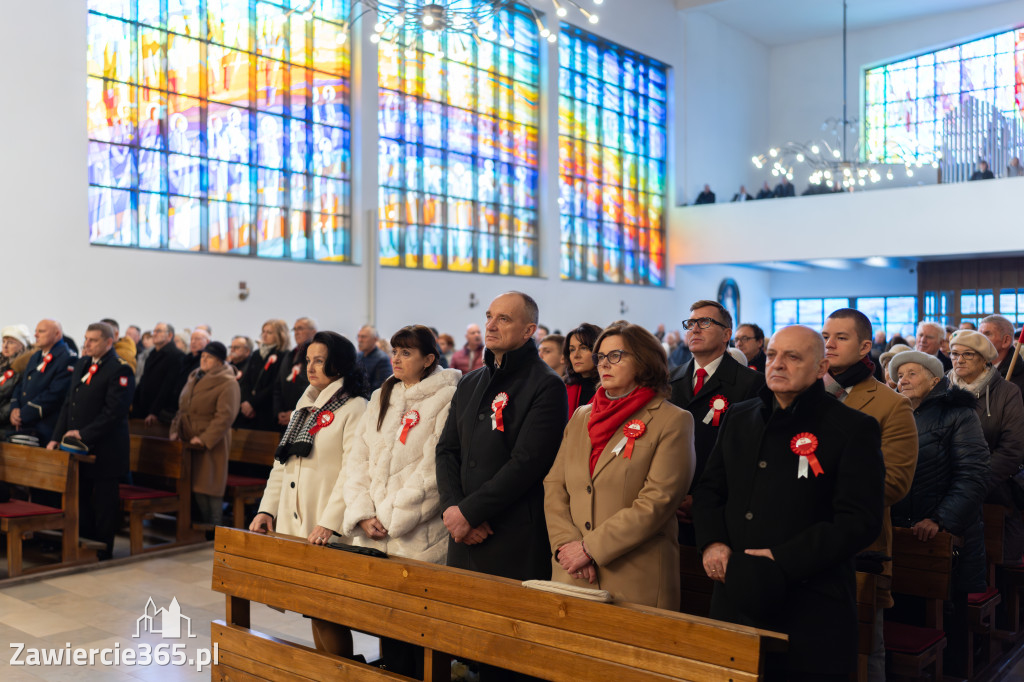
(122, 360)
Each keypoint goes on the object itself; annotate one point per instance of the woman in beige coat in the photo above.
(207, 407)
(625, 464)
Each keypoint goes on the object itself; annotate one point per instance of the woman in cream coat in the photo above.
(625, 464)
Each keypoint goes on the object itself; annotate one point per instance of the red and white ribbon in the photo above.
(498, 406)
(87, 379)
(719, 404)
(271, 360)
(409, 420)
(46, 360)
(295, 373)
(7, 375)
(804, 445)
(632, 430)
(322, 421)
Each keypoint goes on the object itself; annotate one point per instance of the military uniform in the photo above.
(42, 388)
(97, 408)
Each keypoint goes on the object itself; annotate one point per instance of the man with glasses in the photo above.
(155, 399)
(291, 377)
(750, 340)
(239, 354)
(707, 387)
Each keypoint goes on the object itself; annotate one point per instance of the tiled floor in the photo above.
(101, 608)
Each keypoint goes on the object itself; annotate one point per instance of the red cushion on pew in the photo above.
(977, 598)
(910, 639)
(137, 492)
(235, 480)
(16, 508)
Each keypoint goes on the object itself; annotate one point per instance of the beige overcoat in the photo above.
(625, 513)
(207, 409)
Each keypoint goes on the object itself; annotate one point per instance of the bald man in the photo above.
(40, 392)
(789, 567)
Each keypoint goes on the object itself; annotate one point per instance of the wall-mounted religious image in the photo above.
(729, 297)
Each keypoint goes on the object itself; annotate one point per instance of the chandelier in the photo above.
(829, 161)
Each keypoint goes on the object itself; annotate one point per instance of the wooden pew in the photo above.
(468, 615)
(165, 459)
(694, 583)
(248, 447)
(922, 569)
(137, 427)
(1009, 579)
(53, 470)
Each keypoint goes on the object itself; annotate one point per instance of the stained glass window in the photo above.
(222, 132)
(612, 148)
(905, 101)
(458, 156)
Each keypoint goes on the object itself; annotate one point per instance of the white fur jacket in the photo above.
(397, 483)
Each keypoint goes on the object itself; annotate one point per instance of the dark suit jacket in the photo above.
(758, 363)
(497, 476)
(751, 498)
(39, 395)
(731, 379)
(291, 380)
(156, 389)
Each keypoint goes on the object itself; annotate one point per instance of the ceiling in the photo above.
(780, 22)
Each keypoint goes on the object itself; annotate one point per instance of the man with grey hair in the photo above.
(291, 380)
(470, 356)
(155, 399)
(41, 390)
(929, 340)
(372, 360)
(790, 567)
(999, 331)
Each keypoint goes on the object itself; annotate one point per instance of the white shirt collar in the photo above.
(710, 368)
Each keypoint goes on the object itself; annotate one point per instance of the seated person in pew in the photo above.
(624, 466)
(793, 490)
(15, 355)
(297, 500)
(949, 484)
(389, 478)
(96, 412)
(207, 407)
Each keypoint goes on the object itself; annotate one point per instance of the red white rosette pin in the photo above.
(46, 360)
(632, 430)
(7, 375)
(498, 406)
(322, 421)
(271, 360)
(294, 373)
(409, 420)
(87, 379)
(804, 445)
(718, 406)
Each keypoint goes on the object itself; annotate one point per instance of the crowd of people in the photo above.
(584, 459)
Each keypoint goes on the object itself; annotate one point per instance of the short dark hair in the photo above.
(758, 332)
(648, 354)
(554, 338)
(722, 312)
(112, 322)
(135, 327)
(103, 328)
(341, 362)
(586, 335)
(861, 323)
(414, 337)
(532, 311)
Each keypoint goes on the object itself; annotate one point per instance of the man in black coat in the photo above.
(156, 400)
(793, 489)
(291, 380)
(96, 412)
(500, 440)
(711, 379)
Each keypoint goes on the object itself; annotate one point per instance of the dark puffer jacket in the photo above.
(951, 477)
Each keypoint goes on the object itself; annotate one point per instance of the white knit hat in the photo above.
(19, 332)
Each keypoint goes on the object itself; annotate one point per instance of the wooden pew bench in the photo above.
(53, 470)
(137, 427)
(254, 448)
(451, 612)
(166, 460)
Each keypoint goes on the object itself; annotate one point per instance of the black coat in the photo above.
(99, 411)
(758, 363)
(497, 476)
(39, 395)
(156, 394)
(376, 366)
(257, 387)
(731, 379)
(951, 479)
(291, 380)
(750, 498)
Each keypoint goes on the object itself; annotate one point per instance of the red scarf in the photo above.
(607, 416)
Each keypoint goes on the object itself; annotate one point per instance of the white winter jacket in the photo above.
(397, 483)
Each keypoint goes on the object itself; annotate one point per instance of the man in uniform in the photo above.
(793, 490)
(40, 393)
(707, 387)
(96, 412)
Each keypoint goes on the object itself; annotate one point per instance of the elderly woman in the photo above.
(257, 383)
(625, 464)
(16, 352)
(950, 481)
(206, 408)
(310, 456)
(1001, 412)
(581, 380)
(388, 480)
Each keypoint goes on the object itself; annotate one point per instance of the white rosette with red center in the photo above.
(719, 404)
(409, 420)
(87, 379)
(498, 406)
(323, 421)
(804, 445)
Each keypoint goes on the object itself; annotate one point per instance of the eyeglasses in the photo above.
(613, 357)
(702, 322)
(743, 339)
(968, 356)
